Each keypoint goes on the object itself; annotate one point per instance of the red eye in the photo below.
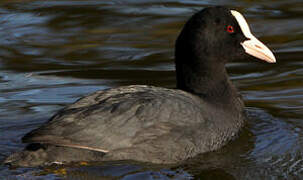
(230, 29)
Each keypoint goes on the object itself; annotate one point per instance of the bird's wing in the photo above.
(119, 118)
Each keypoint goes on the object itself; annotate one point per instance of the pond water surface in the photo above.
(53, 52)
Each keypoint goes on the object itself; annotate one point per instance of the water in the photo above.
(53, 52)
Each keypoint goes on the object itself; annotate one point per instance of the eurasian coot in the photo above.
(154, 124)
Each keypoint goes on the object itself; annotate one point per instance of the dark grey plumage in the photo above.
(154, 124)
(135, 122)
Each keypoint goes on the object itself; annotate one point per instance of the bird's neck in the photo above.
(209, 81)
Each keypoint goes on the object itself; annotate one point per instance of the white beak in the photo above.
(253, 46)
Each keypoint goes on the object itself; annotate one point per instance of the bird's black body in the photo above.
(143, 123)
(154, 124)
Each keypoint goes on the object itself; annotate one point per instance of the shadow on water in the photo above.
(53, 52)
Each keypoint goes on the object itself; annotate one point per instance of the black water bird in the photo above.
(154, 124)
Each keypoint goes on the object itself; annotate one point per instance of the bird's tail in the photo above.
(32, 155)
(43, 154)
